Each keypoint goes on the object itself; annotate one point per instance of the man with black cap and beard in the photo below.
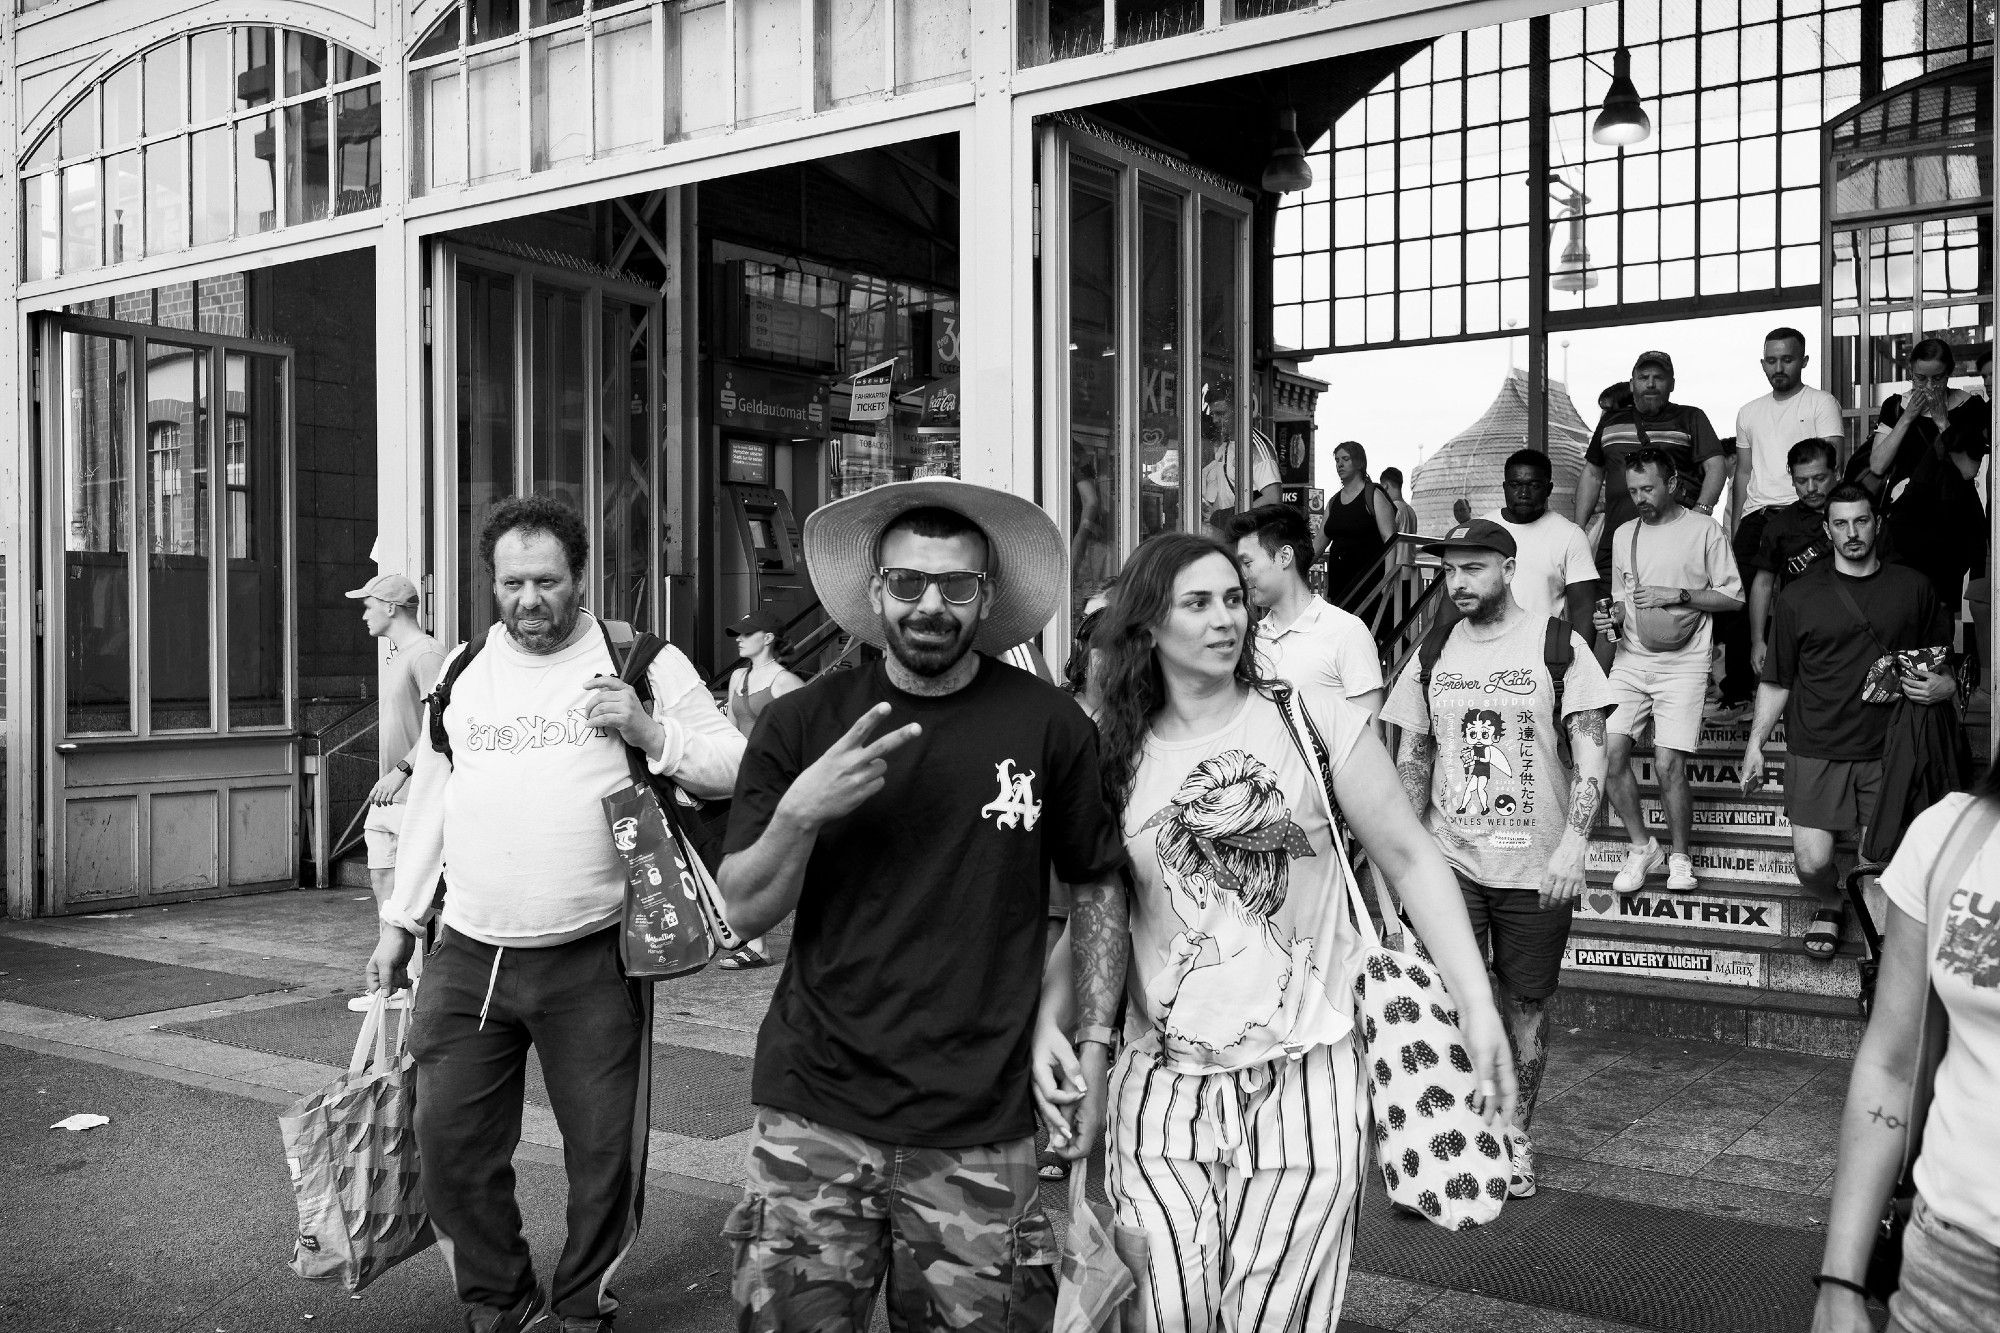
(910, 812)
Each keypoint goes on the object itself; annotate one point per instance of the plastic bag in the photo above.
(352, 1150)
(1095, 1280)
(665, 930)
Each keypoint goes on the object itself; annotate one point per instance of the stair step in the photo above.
(351, 872)
(1714, 965)
(1746, 818)
(1699, 1011)
(1653, 913)
(1729, 862)
(1716, 775)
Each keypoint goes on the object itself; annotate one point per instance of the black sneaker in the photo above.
(516, 1318)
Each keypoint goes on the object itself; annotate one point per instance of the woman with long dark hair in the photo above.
(1236, 1112)
(1943, 939)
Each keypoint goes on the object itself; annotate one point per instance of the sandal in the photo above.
(1822, 938)
(1051, 1166)
(742, 960)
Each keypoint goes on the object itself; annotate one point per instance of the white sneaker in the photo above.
(359, 1004)
(1680, 873)
(1639, 863)
(1521, 1176)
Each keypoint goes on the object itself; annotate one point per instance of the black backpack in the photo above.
(1558, 652)
(632, 651)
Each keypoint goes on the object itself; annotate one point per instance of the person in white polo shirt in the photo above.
(1555, 573)
(1302, 638)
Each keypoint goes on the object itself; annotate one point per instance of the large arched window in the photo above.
(218, 133)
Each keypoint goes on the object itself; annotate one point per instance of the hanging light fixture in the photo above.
(1623, 120)
(1573, 269)
(1287, 172)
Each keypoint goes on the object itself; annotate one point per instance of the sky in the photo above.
(1403, 403)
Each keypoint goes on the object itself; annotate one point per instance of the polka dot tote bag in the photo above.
(1437, 1153)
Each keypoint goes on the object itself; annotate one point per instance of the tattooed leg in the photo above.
(1528, 1035)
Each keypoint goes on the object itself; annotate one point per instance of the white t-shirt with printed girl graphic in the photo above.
(1499, 792)
(1242, 949)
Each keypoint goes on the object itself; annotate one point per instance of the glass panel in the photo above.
(43, 154)
(41, 212)
(485, 344)
(1150, 20)
(97, 536)
(255, 75)
(120, 91)
(442, 37)
(209, 80)
(253, 523)
(176, 481)
(305, 63)
(214, 210)
(1093, 380)
(173, 305)
(222, 306)
(306, 164)
(625, 464)
(851, 50)
(559, 121)
(626, 88)
(437, 114)
(357, 162)
(494, 112)
(1160, 352)
(166, 197)
(934, 41)
(349, 65)
(488, 20)
(541, 13)
(560, 382)
(79, 128)
(256, 176)
(82, 243)
(127, 212)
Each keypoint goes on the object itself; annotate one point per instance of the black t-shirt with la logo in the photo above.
(906, 1006)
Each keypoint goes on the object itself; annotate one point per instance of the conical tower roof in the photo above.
(1470, 465)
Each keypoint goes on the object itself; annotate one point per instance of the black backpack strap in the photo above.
(632, 652)
(439, 698)
(1558, 653)
(1428, 651)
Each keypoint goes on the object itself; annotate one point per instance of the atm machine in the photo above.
(764, 568)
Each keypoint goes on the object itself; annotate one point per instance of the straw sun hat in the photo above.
(1025, 556)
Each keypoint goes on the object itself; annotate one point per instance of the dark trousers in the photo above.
(1739, 681)
(592, 1029)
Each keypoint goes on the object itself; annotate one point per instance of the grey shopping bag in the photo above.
(1095, 1281)
(352, 1150)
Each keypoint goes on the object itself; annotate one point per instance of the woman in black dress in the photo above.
(1360, 522)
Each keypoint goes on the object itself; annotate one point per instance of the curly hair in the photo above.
(533, 514)
(1129, 682)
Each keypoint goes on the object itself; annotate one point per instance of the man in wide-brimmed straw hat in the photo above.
(910, 810)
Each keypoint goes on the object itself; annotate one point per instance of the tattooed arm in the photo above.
(1563, 882)
(1100, 942)
(1872, 1130)
(1414, 762)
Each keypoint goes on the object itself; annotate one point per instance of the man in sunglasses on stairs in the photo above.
(910, 812)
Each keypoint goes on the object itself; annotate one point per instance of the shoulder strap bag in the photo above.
(1662, 629)
(1969, 832)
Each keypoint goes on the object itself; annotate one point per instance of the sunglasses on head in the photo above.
(1087, 624)
(959, 587)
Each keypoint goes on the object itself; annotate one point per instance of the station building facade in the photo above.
(302, 290)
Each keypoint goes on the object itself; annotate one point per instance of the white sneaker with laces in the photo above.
(1639, 863)
(1680, 873)
(1521, 1176)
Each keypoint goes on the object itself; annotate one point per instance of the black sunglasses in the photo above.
(957, 586)
(1086, 625)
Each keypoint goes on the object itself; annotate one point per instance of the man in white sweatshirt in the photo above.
(527, 954)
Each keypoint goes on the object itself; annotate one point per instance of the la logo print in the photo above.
(1015, 806)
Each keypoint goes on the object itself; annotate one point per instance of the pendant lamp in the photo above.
(1623, 120)
(1287, 172)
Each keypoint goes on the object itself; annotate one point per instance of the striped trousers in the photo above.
(1247, 1185)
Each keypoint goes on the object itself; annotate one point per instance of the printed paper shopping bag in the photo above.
(352, 1150)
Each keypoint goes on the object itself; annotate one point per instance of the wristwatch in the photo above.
(1685, 597)
(403, 767)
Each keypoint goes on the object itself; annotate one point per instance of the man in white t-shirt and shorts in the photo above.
(389, 610)
(1486, 721)
(1671, 574)
(1302, 638)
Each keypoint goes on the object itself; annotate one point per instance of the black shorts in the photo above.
(1527, 938)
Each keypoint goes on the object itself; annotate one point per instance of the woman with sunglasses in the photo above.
(1236, 1112)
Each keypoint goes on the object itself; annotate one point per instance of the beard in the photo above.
(1484, 610)
(558, 623)
(930, 659)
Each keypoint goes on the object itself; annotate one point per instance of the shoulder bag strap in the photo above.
(1854, 609)
(1299, 724)
(1967, 837)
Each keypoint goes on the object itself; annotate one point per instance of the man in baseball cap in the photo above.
(909, 810)
(1481, 761)
(1683, 433)
(389, 610)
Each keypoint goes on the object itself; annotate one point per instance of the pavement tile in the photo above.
(1786, 1148)
(1669, 1148)
(1469, 1312)
(1740, 1169)
(1384, 1302)
(1747, 1203)
(294, 1076)
(1706, 1102)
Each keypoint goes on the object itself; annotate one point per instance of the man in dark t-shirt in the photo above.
(1831, 626)
(1792, 541)
(1682, 432)
(911, 812)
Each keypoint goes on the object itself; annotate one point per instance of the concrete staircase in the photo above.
(1726, 962)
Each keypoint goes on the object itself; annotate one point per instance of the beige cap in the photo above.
(395, 589)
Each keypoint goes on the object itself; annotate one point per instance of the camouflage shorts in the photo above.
(828, 1216)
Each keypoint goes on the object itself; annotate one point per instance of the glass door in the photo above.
(1145, 341)
(166, 460)
(553, 390)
